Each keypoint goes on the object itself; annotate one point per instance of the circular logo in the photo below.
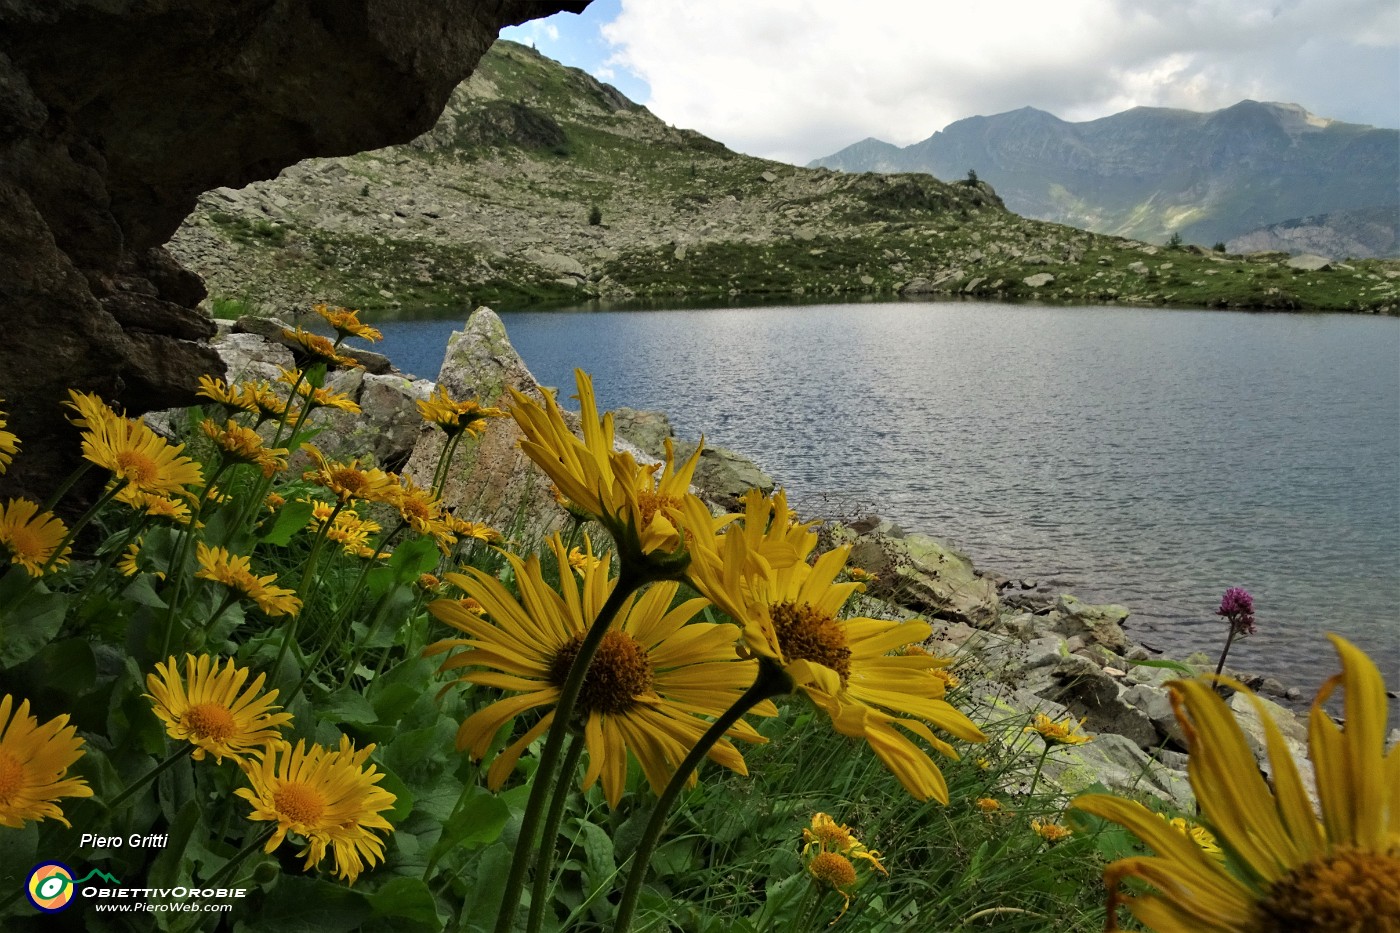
(50, 887)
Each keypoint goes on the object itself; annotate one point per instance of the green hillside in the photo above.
(541, 186)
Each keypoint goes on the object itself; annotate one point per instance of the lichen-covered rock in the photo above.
(1101, 625)
(924, 574)
(491, 480)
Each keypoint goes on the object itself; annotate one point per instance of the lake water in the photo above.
(1148, 457)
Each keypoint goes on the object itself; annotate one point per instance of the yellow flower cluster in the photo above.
(328, 796)
(830, 852)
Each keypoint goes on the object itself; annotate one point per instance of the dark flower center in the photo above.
(619, 674)
(808, 634)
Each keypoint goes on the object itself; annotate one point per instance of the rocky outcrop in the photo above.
(491, 480)
(722, 476)
(116, 114)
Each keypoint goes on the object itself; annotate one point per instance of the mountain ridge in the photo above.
(1150, 172)
(540, 185)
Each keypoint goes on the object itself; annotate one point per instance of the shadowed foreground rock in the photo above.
(116, 114)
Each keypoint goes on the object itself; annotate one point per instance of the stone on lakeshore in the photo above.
(1101, 625)
(1121, 766)
(1157, 707)
(647, 429)
(724, 476)
(926, 575)
(1095, 697)
(250, 357)
(556, 263)
(1039, 280)
(916, 286)
(491, 480)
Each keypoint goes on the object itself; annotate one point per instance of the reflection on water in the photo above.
(1148, 457)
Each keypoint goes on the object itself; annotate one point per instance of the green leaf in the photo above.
(299, 904)
(348, 706)
(478, 822)
(408, 901)
(34, 625)
(170, 868)
(1181, 668)
(142, 593)
(414, 558)
(291, 518)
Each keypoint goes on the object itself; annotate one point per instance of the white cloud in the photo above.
(795, 80)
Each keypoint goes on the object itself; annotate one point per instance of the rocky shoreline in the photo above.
(1020, 648)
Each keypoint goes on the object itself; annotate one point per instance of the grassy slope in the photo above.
(528, 147)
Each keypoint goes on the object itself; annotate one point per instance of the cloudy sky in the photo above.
(797, 79)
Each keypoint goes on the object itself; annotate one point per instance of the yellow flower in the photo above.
(861, 575)
(835, 871)
(320, 397)
(265, 401)
(455, 417)
(347, 323)
(421, 512)
(91, 410)
(1287, 870)
(1050, 831)
(235, 571)
(348, 529)
(582, 561)
(274, 501)
(132, 452)
(9, 445)
(326, 796)
(639, 510)
(1197, 834)
(1058, 733)
(791, 616)
(210, 709)
(244, 445)
(988, 805)
(348, 481)
(655, 676)
(155, 506)
(30, 537)
(826, 835)
(34, 762)
(315, 348)
(234, 399)
(478, 530)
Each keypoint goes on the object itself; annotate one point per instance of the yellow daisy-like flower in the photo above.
(347, 323)
(1058, 733)
(826, 835)
(91, 409)
(274, 501)
(791, 616)
(861, 575)
(326, 796)
(269, 405)
(582, 561)
(29, 537)
(421, 512)
(478, 530)
(640, 511)
(456, 417)
(210, 709)
(34, 762)
(1287, 870)
(1050, 831)
(315, 348)
(1197, 834)
(9, 445)
(655, 676)
(156, 506)
(348, 529)
(319, 396)
(232, 398)
(835, 871)
(348, 482)
(132, 452)
(235, 571)
(244, 445)
(988, 805)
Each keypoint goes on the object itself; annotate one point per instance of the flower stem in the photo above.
(771, 681)
(149, 776)
(1038, 765)
(627, 583)
(83, 519)
(1220, 666)
(544, 865)
(223, 874)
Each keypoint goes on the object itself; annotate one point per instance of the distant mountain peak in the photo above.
(1150, 172)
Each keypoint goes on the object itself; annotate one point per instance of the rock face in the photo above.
(116, 114)
(491, 480)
